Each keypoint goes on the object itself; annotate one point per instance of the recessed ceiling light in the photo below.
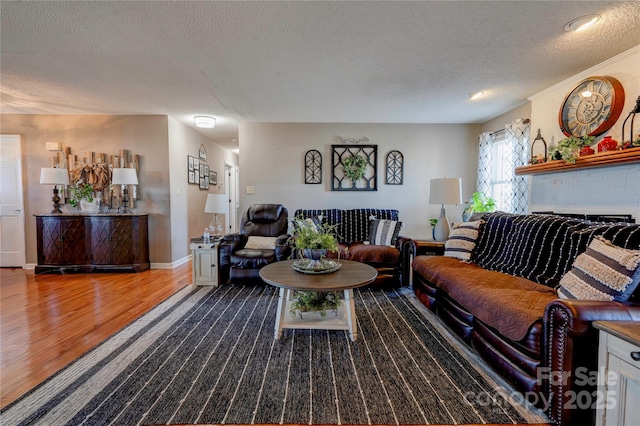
(204, 121)
(582, 23)
(476, 95)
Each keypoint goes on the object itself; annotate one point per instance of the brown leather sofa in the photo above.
(352, 226)
(241, 264)
(504, 304)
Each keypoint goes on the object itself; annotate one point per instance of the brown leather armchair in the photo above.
(239, 263)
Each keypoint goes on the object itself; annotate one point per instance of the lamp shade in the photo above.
(445, 191)
(216, 203)
(54, 176)
(124, 177)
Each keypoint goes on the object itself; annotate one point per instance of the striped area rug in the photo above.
(208, 356)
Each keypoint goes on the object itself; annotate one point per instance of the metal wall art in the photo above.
(395, 168)
(313, 167)
(354, 167)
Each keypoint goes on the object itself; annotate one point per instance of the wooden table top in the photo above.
(350, 275)
(626, 330)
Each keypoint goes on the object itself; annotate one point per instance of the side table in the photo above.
(429, 247)
(204, 262)
(618, 373)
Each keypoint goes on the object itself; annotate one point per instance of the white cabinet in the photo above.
(619, 378)
(204, 262)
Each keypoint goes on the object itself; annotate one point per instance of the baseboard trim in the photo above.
(171, 265)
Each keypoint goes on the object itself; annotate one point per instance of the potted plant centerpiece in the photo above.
(313, 240)
(82, 195)
(479, 203)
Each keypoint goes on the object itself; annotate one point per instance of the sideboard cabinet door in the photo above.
(61, 241)
(111, 240)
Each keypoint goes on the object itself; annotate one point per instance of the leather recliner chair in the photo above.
(241, 264)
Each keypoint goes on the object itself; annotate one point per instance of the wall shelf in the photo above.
(601, 159)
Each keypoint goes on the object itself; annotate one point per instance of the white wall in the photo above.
(614, 189)
(272, 161)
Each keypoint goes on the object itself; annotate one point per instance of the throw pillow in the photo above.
(603, 272)
(261, 243)
(462, 240)
(314, 223)
(384, 232)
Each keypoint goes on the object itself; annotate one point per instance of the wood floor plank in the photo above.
(48, 320)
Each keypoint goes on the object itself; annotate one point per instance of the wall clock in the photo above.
(592, 107)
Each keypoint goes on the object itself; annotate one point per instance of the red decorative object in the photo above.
(607, 144)
(587, 150)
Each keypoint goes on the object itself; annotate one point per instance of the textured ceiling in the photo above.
(359, 62)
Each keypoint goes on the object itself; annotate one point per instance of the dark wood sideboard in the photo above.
(86, 242)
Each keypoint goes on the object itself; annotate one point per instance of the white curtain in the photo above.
(514, 190)
(484, 163)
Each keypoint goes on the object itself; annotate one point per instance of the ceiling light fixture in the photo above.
(476, 95)
(581, 23)
(204, 121)
(586, 94)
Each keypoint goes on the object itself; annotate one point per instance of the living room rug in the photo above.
(208, 355)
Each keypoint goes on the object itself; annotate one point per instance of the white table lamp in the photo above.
(55, 177)
(444, 191)
(124, 177)
(216, 203)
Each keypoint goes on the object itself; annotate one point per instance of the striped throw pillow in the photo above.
(462, 240)
(603, 272)
(384, 232)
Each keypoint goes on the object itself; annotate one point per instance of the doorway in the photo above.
(12, 233)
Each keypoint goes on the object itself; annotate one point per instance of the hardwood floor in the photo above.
(48, 320)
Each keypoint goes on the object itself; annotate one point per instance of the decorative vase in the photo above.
(587, 150)
(90, 206)
(607, 144)
(315, 256)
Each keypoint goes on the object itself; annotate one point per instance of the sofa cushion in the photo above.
(376, 254)
(510, 305)
(255, 242)
(462, 240)
(250, 258)
(604, 272)
(384, 232)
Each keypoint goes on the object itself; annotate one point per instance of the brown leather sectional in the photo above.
(505, 306)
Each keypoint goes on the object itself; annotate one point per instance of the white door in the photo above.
(12, 235)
